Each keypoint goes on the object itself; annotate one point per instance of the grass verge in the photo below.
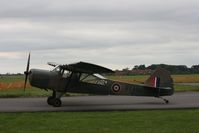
(156, 121)
(185, 88)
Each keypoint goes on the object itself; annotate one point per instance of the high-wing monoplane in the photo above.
(85, 77)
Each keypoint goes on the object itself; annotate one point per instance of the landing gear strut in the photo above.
(50, 100)
(54, 100)
(165, 100)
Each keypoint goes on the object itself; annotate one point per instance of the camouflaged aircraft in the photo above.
(85, 77)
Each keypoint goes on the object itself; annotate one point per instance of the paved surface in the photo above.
(179, 100)
(191, 84)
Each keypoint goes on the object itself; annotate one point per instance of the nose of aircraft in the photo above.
(39, 78)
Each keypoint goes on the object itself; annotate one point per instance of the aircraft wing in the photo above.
(54, 64)
(87, 68)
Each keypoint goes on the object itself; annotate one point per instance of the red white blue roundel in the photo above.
(116, 88)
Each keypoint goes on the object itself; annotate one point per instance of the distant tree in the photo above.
(140, 67)
(174, 69)
(195, 69)
(126, 71)
(135, 67)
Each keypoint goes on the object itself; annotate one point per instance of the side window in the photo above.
(88, 78)
(66, 74)
(92, 79)
(75, 77)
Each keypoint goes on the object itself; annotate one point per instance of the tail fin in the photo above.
(160, 78)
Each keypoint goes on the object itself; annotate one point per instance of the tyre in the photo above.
(57, 102)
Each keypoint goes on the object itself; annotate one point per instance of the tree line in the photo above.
(173, 69)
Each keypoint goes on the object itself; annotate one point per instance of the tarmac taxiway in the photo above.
(180, 100)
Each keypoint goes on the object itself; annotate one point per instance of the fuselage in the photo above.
(64, 81)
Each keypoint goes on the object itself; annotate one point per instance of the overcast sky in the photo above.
(113, 33)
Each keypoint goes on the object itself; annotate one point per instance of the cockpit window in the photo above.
(93, 79)
(66, 74)
(57, 69)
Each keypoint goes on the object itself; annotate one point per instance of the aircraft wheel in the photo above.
(166, 101)
(57, 102)
(50, 100)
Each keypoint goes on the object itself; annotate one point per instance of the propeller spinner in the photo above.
(27, 71)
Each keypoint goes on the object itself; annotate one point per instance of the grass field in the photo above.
(10, 79)
(156, 121)
(29, 92)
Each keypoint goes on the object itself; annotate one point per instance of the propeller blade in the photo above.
(25, 82)
(28, 64)
(27, 71)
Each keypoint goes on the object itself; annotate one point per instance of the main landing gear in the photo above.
(54, 100)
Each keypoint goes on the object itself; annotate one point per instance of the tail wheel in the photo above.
(57, 102)
(166, 101)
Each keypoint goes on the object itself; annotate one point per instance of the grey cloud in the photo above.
(114, 33)
(153, 10)
(72, 36)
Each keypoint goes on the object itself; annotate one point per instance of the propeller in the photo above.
(27, 71)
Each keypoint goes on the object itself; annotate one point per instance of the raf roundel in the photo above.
(116, 88)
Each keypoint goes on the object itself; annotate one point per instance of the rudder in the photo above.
(160, 78)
